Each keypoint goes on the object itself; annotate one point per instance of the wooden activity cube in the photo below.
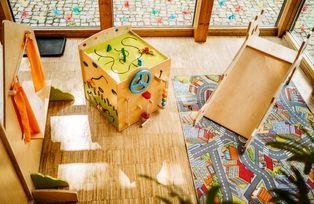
(124, 76)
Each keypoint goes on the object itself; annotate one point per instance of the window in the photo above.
(241, 12)
(154, 13)
(227, 16)
(60, 14)
(303, 25)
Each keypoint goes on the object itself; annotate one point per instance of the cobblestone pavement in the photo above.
(156, 13)
(145, 13)
(53, 13)
(181, 12)
(240, 12)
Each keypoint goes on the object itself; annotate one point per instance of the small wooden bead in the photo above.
(146, 95)
(145, 115)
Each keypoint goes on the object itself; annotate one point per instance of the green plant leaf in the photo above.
(301, 196)
(211, 194)
(174, 191)
(307, 167)
(282, 195)
(296, 143)
(285, 146)
(301, 185)
(308, 132)
(307, 160)
(304, 158)
(165, 200)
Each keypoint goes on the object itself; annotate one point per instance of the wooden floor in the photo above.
(102, 164)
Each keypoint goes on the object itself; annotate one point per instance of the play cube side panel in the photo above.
(131, 106)
(99, 88)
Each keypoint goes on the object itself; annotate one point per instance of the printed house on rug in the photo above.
(124, 77)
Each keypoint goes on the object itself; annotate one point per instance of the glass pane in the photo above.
(53, 13)
(154, 13)
(241, 12)
(303, 26)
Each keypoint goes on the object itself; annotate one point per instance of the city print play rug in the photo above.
(212, 149)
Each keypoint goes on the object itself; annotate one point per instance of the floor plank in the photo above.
(103, 164)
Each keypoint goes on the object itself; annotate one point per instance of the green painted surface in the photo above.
(58, 95)
(101, 103)
(112, 61)
(41, 181)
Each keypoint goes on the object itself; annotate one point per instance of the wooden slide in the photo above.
(251, 83)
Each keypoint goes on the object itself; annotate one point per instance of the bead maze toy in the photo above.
(248, 88)
(124, 76)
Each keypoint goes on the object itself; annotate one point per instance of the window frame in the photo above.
(200, 28)
(306, 65)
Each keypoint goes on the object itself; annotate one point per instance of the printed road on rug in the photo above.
(212, 149)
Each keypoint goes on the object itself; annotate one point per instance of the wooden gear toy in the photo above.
(140, 81)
